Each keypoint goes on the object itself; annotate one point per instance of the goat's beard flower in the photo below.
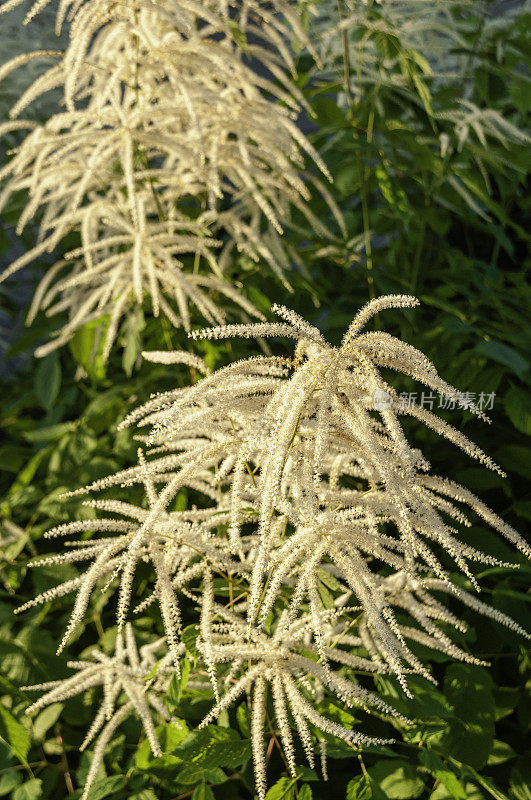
(306, 498)
(168, 139)
(132, 674)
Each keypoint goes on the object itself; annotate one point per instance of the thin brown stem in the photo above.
(64, 761)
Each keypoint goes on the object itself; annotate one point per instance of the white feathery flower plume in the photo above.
(283, 662)
(307, 501)
(167, 142)
(128, 675)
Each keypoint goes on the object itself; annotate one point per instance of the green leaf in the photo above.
(9, 781)
(427, 703)
(500, 753)
(523, 508)
(306, 774)
(133, 327)
(87, 346)
(102, 412)
(329, 580)
(14, 735)
(439, 770)
(25, 476)
(520, 92)
(203, 792)
(194, 773)
(49, 434)
(325, 596)
(213, 747)
(423, 92)
(470, 734)
(169, 736)
(481, 480)
(107, 786)
(397, 779)
(503, 354)
(327, 112)
(47, 380)
(243, 716)
(520, 780)
(259, 299)
(518, 407)
(515, 458)
(177, 685)
(12, 458)
(241, 40)
(442, 793)
(31, 790)
(305, 792)
(482, 780)
(283, 789)
(505, 700)
(189, 639)
(359, 788)
(46, 719)
(387, 44)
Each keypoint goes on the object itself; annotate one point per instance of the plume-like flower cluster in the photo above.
(168, 140)
(332, 536)
(130, 675)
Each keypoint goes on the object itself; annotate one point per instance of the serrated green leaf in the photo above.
(189, 639)
(397, 779)
(306, 774)
(325, 596)
(104, 787)
(442, 773)
(359, 788)
(14, 735)
(283, 789)
(143, 794)
(31, 790)
(203, 792)
(500, 753)
(8, 781)
(520, 780)
(46, 719)
(194, 773)
(213, 747)
(87, 346)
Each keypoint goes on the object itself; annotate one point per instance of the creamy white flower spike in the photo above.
(170, 153)
(135, 674)
(284, 663)
(315, 542)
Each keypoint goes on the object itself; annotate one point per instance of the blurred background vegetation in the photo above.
(420, 116)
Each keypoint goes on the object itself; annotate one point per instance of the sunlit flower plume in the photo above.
(331, 536)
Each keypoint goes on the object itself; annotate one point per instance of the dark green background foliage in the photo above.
(447, 226)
